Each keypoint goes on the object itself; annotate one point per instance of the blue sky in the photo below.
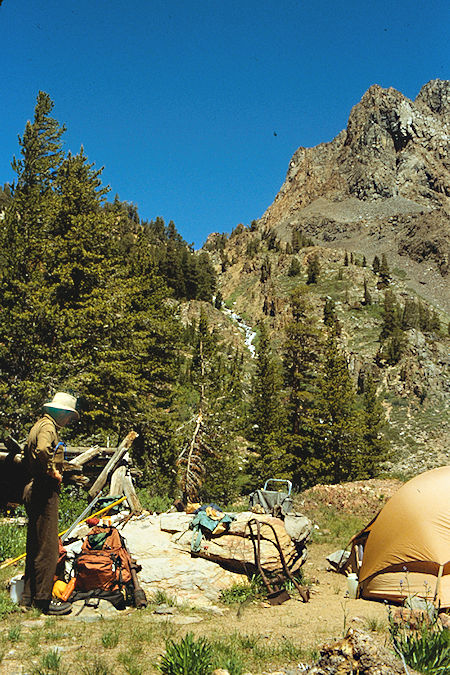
(195, 107)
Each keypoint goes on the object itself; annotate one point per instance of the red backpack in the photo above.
(104, 562)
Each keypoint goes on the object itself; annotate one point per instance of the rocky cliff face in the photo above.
(388, 172)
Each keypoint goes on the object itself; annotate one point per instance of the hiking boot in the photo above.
(58, 608)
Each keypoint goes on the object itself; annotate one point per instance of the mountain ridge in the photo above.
(380, 187)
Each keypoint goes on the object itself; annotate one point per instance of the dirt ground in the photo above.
(140, 635)
(325, 618)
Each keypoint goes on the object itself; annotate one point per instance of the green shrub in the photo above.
(426, 649)
(72, 502)
(152, 502)
(187, 657)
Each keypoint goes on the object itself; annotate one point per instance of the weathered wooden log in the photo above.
(117, 477)
(113, 463)
(86, 456)
(130, 493)
(79, 449)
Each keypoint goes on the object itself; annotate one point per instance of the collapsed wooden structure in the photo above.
(90, 468)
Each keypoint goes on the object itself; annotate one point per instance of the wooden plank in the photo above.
(112, 464)
(130, 493)
(117, 477)
(80, 449)
(86, 456)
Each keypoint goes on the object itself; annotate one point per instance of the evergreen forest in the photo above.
(92, 302)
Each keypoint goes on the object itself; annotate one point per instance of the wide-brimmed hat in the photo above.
(62, 401)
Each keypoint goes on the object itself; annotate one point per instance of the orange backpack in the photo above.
(104, 562)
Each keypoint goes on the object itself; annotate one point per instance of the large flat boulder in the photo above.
(166, 568)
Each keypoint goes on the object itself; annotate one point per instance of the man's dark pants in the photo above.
(41, 498)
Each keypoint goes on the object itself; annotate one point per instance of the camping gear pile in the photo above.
(101, 567)
(193, 555)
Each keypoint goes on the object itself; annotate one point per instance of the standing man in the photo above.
(44, 457)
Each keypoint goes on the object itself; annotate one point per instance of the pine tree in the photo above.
(296, 241)
(207, 466)
(435, 323)
(424, 317)
(329, 312)
(28, 323)
(266, 270)
(301, 363)
(294, 268)
(410, 315)
(376, 265)
(29, 218)
(313, 270)
(266, 413)
(367, 300)
(394, 346)
(385, 275)
(376, 446)
(340, 434)
(391, 318)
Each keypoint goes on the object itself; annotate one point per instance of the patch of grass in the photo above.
(13, 540)
(7, 606)
(228, 656)
(34, 640)
(189, 656)
(15, 633)
(399, 273)
(50, 664)
(162, 598)
(247, 591)
(110, 638)
(130, 663)
(264, 655)
(374, 625)
(96, 667)
(240, 653)
(335, 527)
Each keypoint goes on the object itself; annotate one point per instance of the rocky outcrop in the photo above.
(358, 652)
(392, 159)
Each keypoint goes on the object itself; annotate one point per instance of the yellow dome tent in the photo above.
(405, 550)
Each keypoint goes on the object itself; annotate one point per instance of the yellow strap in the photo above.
(98, 513)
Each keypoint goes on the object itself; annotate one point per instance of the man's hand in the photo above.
(56, 475)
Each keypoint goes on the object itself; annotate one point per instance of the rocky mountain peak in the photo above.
(436, 96)
(392, 147)
(383, 181)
